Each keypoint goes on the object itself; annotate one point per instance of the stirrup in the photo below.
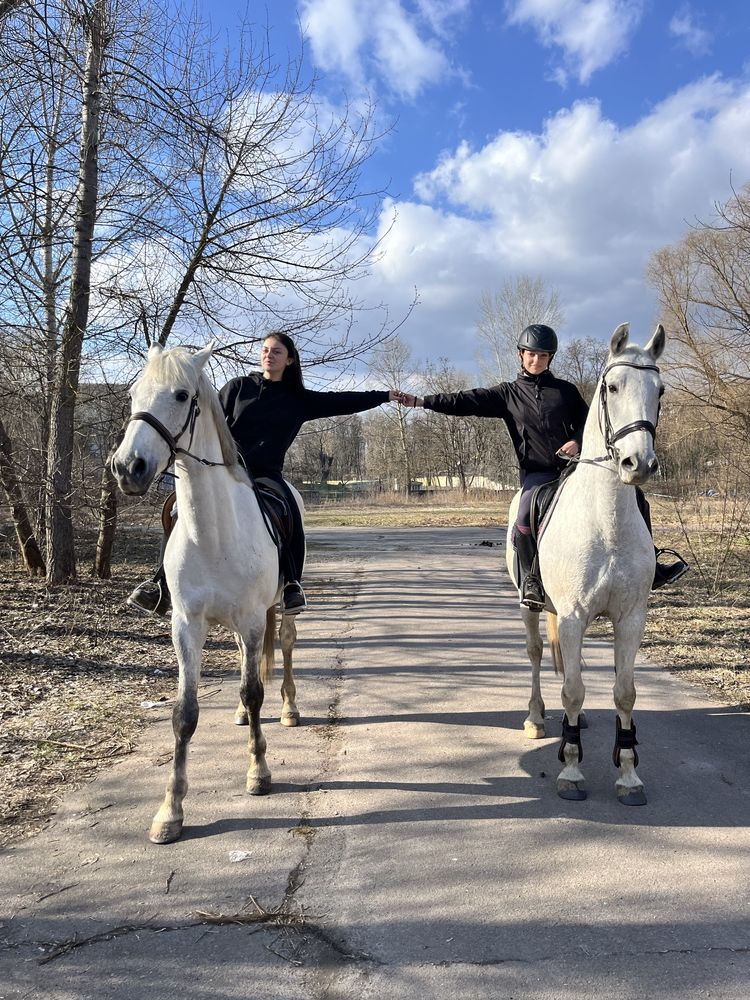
(532, 594)
(151, 597)
(293, 599)
(667, 574)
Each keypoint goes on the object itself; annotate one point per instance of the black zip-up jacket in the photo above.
(265, 417)
(541, 413)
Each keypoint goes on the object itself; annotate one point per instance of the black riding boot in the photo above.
(668, 572)
(532, 592)
(152, 596)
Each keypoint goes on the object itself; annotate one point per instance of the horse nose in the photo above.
(653, 465)
(133, 476)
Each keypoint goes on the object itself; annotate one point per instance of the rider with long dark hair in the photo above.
(265, 411)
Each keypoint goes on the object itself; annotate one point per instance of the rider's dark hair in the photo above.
(292, 376)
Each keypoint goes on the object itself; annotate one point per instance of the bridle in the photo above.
(174, 449)
(605, 424)
(171, 440)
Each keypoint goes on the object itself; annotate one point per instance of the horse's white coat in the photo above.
(221, 564)
(596, 556)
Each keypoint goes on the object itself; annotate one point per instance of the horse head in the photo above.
(630, 391)
(164, 408)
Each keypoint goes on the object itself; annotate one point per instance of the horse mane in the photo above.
(176, 366)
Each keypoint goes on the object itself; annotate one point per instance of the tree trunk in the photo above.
(107, 524)
(403, 438)
(61, 562)
(32, 557)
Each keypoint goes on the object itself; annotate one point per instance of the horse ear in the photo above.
(619, 339)
(154, 351)
(655, 346)
(202, 356)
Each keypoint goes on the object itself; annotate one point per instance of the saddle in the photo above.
(543, 501)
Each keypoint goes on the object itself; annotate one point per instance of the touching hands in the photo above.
(406, 398)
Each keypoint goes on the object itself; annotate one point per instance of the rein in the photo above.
(171, 440)
(605, 424)
(174, 450)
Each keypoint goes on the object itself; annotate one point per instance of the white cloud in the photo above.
(688, 32)
(401, 48)
(591, 33)
(582, 204)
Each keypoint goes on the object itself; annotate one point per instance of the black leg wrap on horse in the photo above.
(625, 740)
(570, 735)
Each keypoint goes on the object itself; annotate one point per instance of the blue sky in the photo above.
(563, 139)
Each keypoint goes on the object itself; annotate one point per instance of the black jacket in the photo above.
(541, 413)
(265, 417)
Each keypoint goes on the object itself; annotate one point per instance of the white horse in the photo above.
(221, 563)
(596, 557)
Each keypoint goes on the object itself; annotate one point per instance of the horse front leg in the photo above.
(251, 692)
(628, 635)
(570, 781)
(533, 725)
(188, 637)
(288, 637)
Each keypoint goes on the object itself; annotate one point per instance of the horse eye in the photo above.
(181, 396)
(612, 387)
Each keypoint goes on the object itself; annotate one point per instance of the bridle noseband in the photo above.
(171, 440)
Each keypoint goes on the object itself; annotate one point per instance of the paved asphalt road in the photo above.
(414, 835)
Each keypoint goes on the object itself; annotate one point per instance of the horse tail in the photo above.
(553, 637)
(269, 640)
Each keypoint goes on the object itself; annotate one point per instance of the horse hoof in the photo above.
(583, 722)
(631, 796)
(165, 833)
(533, 731)
(571, 790)
(259, 786)
(240, 720)
(290, 719)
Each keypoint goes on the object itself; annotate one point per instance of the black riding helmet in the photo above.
(538, 337)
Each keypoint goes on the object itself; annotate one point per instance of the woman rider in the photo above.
(545, 417)
(265, 411)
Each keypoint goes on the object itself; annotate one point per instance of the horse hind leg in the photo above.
(289, 712)
(533, 725)
(240, 713)
(188, 639)
(251, 692)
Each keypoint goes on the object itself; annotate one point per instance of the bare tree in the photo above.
(704, 287)
(204, 193)
(460, 442)
(581, 361)
(393, 366)
(519, 302)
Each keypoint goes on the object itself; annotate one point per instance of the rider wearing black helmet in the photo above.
(545, 417)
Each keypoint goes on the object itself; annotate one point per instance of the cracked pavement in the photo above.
(413, 845)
